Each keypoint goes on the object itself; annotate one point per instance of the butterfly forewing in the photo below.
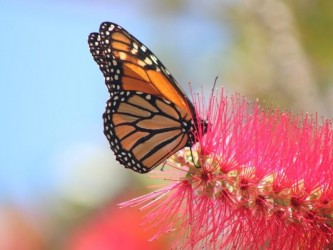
(144, 130)
(94, 41)
(139, 69)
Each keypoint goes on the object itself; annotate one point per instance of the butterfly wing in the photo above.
(144, 130)
(94, 41)
(148, 116)
(129, 65)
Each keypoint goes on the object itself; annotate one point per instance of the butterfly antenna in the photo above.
(205, 122)
(213, 89)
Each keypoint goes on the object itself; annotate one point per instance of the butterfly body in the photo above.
(148, 116)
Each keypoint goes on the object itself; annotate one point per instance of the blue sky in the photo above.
(52, 93)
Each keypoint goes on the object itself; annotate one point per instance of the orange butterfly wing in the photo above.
(144, 130)
(129, 65)
(148, 116)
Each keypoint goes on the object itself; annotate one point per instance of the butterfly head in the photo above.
(198, 129)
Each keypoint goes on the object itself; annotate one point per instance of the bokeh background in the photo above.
(59, 183)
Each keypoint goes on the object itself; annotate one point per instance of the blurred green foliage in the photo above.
(315, 21)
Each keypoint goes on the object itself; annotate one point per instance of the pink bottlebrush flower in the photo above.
(260, 179)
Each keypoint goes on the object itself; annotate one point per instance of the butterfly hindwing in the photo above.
(144, 130)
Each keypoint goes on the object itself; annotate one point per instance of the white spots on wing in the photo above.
(164, 70)
(122, 55)
(143, 48)
(148, 61)
(134, 51)
(111, 27)
(154, 59)
(141, 63)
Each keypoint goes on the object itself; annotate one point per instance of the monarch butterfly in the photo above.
(148, 116)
